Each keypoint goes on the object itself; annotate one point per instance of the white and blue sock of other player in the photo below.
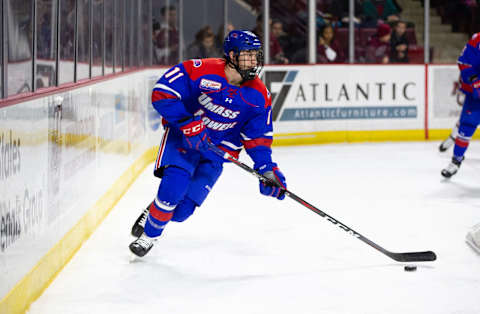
(450, 140)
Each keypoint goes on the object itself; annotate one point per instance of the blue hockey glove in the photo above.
(195, 134)
(272, 172)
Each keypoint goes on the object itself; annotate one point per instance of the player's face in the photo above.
(247, 59)
(328, 33)
(208, 42)
(277, 29)
(401, 28)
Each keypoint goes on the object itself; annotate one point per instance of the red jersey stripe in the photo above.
(257, 142)
(159, 95)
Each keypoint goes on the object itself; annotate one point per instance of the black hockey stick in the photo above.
(426, 256)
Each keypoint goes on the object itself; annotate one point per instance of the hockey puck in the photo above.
(410, 268)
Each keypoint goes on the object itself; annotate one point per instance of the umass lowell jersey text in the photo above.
(235, 116)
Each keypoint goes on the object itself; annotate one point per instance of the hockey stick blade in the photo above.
(426, 256)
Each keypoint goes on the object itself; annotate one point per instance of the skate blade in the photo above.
(134, 258)
(471, 243)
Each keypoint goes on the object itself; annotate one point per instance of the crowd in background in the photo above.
(128, 34)
(384, 46)
(381, 36)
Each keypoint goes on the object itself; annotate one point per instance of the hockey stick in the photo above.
(425, 256)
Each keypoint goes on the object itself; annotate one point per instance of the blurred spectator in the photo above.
(221, 34)
(204, 45)
(283, 38)
(167, 38)
(279, 41)
(276, 52)
(258, 29)
(378, 47)
(340, 9)
(458, 12)
(155, 32)
(375, 10)
(67, 23)
(399, 43)
(45, 37)
(328, 50)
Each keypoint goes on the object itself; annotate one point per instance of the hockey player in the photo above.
(203, 102)
(469, 64)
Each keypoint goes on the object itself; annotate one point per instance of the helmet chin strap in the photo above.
(247, 74)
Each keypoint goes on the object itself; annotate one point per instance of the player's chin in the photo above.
(244, 68)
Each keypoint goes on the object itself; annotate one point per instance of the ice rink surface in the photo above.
(245, 253)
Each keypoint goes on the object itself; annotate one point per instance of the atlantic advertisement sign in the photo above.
(321, 98)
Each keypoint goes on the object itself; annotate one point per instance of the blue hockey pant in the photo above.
(469, 120)
(187, 178)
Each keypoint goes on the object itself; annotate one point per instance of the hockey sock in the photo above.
(172, 190)
(157, 220)
(184, 210)
(465, 133)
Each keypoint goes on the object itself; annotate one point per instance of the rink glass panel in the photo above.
(108, 36)
(46, 44)
(118, 38)
(19, 32)
(83, 39)
(98, 39)
(198, 14)
(67, 31)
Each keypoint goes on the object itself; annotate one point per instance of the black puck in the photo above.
(410, 268)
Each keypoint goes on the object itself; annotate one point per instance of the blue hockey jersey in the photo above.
(236, 117)
(469, 64)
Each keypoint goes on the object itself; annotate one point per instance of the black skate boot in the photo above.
(141, 246)
(446, 144)
(137, 228)
(452, 168)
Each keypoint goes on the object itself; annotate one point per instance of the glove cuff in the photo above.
(266, 167)
(192, 127)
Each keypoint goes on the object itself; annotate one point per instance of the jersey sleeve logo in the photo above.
(210, 85)
(197, 63)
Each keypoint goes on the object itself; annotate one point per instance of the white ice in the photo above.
(245, 253)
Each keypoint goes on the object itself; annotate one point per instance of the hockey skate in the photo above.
(141, 246)
(452, 168)
(473, 238)
(446, 144)
(137, 228)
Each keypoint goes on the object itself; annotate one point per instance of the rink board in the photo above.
(64, 164)
(65, 161)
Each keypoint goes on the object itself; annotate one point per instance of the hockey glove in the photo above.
(272, 172)
(194, 134)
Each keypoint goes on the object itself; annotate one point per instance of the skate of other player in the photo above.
(460, 98)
